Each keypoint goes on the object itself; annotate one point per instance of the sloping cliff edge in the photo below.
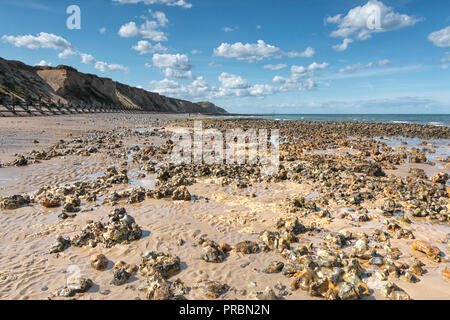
(64, 84)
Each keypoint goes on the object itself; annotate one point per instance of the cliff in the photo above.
(66, 85)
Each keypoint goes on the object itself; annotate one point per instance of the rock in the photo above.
(212, 252)
(273, 240)
(14, 202)
(446, 273)
(275, 267)
(61, 244)
(50, 201)
(159, 263)
(304, 280)
(122, 272)
(431, 251)
(440, 178)
(20, 162)
(247, 247)
(74, 285)
(99, 262)
(346, 291)
(212, 289)
(393, 292)
(181, 193)
(291, 225)
(267, 294)
(155, 288)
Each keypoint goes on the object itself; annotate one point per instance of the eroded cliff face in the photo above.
(66, 85)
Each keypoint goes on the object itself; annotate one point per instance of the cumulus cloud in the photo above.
(105, 67)
(440, 38)
(150, 29)
(170, 3)
(197, 89)
(231, 85)
(145, 47)
(256, 51)
(45, 40)
(101, 65)
(276, 66)
(173, 65)
(41, 40)
(43, 63)
(87, 58)
(300, 77)
(343, 46)
(363, 21)
(67, 53)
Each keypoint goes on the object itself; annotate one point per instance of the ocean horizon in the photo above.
(425, 119)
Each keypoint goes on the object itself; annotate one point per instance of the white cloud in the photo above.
(343, 46)
(300, 78)
(43, 63)
(232, 81)
(173, 65)
(101, 65)
(147, 65)
(308, 53)
(362, 21)
(67, 53)
(102, 30)
(87, 58)
(231, 85)
(160, 17)
(384, 62)
(51, 41)
(446, 58)
(256, 51)
(196, 51)
(228, 29)
(41, 40)
(144, 47)
(358, 66)
(258, 27)
(148, 30)
(105, 67)
(441, 38)
(197, 89)
(171, 3)
(275, 67)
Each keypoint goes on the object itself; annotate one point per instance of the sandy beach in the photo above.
(339, 220)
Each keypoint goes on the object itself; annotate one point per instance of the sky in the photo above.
(249, 56)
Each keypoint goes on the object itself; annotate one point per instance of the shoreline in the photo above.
(322, 168)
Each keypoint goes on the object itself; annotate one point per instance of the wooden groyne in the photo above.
(49, 110)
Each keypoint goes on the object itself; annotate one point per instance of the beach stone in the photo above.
(14, 202)
(431, 251)
(181, 193)
(99, 262)
(61, 244)
(212, 289)
(247, 247)
(165, 265)
(275, 267)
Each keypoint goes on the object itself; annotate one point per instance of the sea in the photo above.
(428, 119)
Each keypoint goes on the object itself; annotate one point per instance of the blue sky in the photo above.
(250, 56)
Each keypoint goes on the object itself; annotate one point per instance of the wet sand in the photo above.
(223, 213)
